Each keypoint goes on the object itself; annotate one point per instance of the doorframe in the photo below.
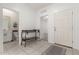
(17, 17)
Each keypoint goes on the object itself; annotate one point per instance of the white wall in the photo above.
(1, 31)
(76, 28)
(59, 7)
(26, 16)
(37, 26)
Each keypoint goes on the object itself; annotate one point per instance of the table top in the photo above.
(33, 30)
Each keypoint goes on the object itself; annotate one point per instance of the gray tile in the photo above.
(32, 48)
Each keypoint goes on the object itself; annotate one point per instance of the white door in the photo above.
(63, 27)
(7, 29)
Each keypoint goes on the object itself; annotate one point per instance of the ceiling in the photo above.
(37, 6)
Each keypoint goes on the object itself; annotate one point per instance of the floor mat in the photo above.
(54, 50)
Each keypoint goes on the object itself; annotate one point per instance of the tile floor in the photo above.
(34, 47)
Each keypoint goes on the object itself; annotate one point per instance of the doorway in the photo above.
(10, 28)
(44, 27)
(7, 29)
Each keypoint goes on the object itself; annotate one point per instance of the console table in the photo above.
(25, 35)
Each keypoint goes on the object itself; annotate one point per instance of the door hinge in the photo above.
(72, 12)
(54, 28)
